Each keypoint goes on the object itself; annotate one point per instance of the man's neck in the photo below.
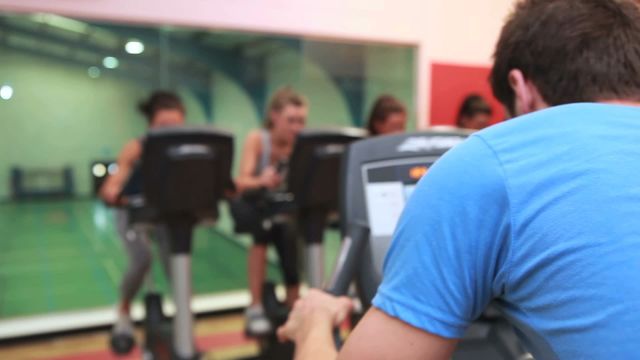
(620, 102)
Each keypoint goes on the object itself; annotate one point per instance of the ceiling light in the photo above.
(110, 62)
(6, 92)
(99, 170)
(134, 47)
(93, 72)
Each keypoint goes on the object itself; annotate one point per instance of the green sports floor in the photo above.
(66, 255)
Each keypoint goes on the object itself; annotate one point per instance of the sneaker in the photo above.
(122, 339)
(123, 325)
(257, 322)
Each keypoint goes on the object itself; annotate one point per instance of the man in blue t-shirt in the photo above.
(538, 214)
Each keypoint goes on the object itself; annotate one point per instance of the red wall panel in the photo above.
(450, 84)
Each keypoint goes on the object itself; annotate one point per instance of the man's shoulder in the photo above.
(516, 125)
(548, 118)
(519, 133)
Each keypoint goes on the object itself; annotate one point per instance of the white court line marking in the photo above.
(77, 320)
(97, 245)
(112, 271)
(83, 319)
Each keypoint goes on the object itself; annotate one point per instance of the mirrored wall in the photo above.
(69, 90)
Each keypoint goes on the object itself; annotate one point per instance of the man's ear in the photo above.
(527, 98)
(523, 98)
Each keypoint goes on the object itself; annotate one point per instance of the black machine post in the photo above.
(353, 244)
(387, 168)
(314, 181)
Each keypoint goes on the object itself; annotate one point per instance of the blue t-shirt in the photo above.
(542, 215)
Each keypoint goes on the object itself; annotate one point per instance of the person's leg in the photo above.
(257, 322)
(163, 240)
(256, 268)
(285, 240)
(136, 245)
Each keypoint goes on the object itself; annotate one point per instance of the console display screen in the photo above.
(388, 185)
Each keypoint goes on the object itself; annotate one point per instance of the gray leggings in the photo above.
(137, 243)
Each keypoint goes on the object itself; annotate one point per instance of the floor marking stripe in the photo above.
(112, 271)
(75, 320)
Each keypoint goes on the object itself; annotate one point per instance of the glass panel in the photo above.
(69, 90)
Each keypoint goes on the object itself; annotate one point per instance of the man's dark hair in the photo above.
(571, 50)
(160, 100)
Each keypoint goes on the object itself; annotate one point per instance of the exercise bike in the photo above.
(183, 174)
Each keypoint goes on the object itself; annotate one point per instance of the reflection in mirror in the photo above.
(69, 96)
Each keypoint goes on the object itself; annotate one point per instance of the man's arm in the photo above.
(311, 322)
(380, 336)
(377, 336)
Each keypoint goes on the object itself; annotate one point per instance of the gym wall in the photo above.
(390, 71)
(327, 105)
(451, 83)
(445, 31)
(59, 117)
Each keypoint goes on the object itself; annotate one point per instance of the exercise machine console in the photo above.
(378, 176)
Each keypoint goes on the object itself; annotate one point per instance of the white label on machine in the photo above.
(385, 201)
(408, 190)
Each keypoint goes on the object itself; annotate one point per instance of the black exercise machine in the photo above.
(314, 182)
(184, 173)
(311, 197)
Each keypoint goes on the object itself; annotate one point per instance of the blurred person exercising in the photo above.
(161, 109)
(263, 166)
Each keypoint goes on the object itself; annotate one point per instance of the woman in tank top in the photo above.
(264, 157)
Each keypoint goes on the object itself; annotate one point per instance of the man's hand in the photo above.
(316, 312)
